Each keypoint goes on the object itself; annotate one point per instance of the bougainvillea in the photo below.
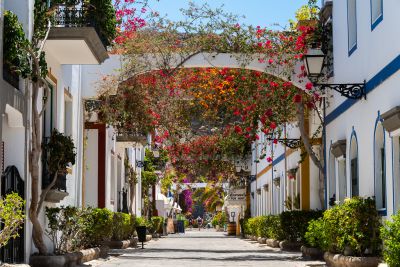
(200, 113)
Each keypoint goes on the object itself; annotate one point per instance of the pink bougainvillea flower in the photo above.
(269, 159)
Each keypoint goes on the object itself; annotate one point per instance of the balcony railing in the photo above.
(78, 16)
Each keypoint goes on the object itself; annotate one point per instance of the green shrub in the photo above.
(316, 234)
(157, 222)
(274, 229)
(264, 226)
(353, 225)
(65, 228)
(219, 219)
(123, 226)
(391, 241)
(11, 216)
(295, 223)
(98, 226)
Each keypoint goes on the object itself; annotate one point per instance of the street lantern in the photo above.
(314, 62)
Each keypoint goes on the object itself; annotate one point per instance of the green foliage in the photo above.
(220, 219)
(234, 145)
(353, 225)
(316, 234)
(15, 58)
(11, 217)
(391, 241)
(142, 221)
(123, 226)
(102, 13)
(65, 228)
(264, 226)
(295, 223)
(71, 228)
(99, 226)
(157, 222)
(60, 152)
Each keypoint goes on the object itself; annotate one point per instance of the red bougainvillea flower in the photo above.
(297, 98)
(309, 86)
(269, 159)
(272, 125)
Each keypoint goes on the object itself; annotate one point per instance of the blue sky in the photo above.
(257, 12)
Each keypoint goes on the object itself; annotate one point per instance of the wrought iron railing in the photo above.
(47, 176)
(77, 16)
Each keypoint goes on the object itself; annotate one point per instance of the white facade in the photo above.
(371, 152)
(276, 189)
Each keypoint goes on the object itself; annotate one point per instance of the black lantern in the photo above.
(314, 62)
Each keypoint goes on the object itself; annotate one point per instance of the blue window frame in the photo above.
(354, 172)
(380, 167)
(376, 13)
(352, 25)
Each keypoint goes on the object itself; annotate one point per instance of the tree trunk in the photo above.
(34, 159)
(308, 147)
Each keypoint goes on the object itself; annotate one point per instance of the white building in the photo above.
(99, 177)
(362, 135)
(288, 182)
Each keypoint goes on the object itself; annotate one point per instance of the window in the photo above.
(50, 113)
(380, 170)
(352, 25)
(376, 12)
(67, 116)
(341, 171)
(354, 166)
(332, 180)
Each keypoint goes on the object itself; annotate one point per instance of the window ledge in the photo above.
(382, 212)
(351, 51)
(376, 22)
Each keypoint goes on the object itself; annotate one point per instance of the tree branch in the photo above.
(306, 138)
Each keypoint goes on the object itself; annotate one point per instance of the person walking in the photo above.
(199, 222)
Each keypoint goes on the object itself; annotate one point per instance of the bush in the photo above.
(295, 223)
(274, 229)
(11, 217)
(315, 235)
(353, 225)
(157, 223)
(98, 227)
(264, 226)
(219, 219)
(391, 241)
(65, 228)
(123, 226)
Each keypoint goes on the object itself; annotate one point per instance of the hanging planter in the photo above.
(292, 173)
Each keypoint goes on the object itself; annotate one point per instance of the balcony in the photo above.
(76, 37)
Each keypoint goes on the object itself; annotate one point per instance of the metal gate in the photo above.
(11, 181)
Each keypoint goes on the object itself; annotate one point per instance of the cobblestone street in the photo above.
(204, 248)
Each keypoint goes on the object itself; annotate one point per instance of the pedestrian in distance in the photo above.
(199, 222)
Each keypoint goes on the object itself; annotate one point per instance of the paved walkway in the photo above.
(204, 248)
